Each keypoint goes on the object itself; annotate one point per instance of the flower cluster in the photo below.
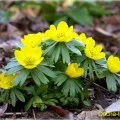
(61, 57)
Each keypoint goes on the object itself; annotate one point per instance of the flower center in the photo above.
(92, 53)
(61, 34)
(29, 61)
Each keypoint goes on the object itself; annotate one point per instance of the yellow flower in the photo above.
(92, 51)
(32, 40)
(61, 33)
(6, 81)
(29, 57)
(113, 64)
(74, 71)
(82, 38)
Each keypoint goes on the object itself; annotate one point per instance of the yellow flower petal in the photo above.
(61, 33)
(82, 38)
(62, 26)
(6, 81)
(98, 48)
(71, 28)
(29, 57)
(19, 56)
(73, 70)
(113, 64)
(52, 27)
(99, 56)
(92, 51)
(32, 40)
(90, 42)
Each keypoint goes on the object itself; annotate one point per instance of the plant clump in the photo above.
(51, 68)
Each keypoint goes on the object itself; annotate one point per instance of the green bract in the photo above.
(60, 50)
(68, 86)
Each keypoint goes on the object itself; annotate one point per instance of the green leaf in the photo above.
(49, 48)
(76, 43)
(73, 49)
(13, 60)
(60, 79)
(13, 98)
(42, 89)
(50, 53)
(80, 15)
(5, 16)
(91, 70)
(97, 10)
(57, 52)
(49, 42)
(105, 73)
(95, 69)
(19, 95)
(64, 18)
(101, 61)
(29, 104)
(73, 89)
(71, 86)
(26, 4)
(48, 8)
(65, 54)
(5, 95)
(43, 107)
(47, 62)
(21, 77)
(66, 88)
(37, 101)
(30, 90)
(87, 103)
(78, 59)
(117, 78)
(35, 78)
(11, 65)
(47, 71)
(111, 83)
(13, 70)
(118, 74)
(51, 102)
(85, 66)
(78, 85)
(41, 76)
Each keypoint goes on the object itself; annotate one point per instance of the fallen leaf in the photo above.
(89, 115)
(104, 33)
(59, 110)
(114, 107)
(113, 20)
(3, 108)
(83, 29)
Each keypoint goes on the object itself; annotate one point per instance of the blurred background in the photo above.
(96, 18)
